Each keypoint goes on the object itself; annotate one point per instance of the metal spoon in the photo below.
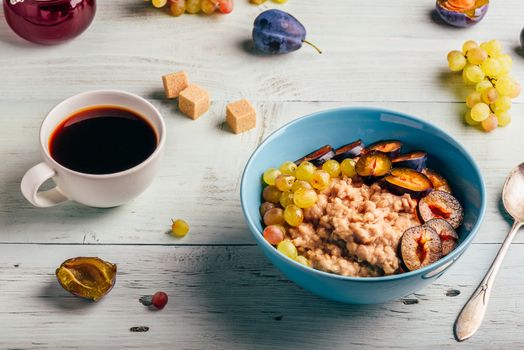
(471, 316)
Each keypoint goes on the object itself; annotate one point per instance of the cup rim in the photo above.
(161, 133)
(448, 259)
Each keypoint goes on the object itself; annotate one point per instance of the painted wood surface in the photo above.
(223, 293)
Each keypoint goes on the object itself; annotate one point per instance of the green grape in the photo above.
(271, 194)
(504, 118)
(491, 66)
(473, 98)
(288, 168)
(480, 111)
(305, 198)
(301, 184)
(456, 61)
(505, 64)
(303, 260)
(503, 103)
(492, 47)
(274, 216)
(257, 2)
(192, 6)
(286, 198)
(293, 215)
(284, 182)
(305, 171)
(473, 73)
(490, 123)
(287, 248)
(270, 176)
(490, 95)
(177, 7)
(505, 85)
(179, 228)
(332, 167)
(208, 6)
(476, 55)
(516, 90)
(483, 85)
(320, 180)
(280, 1)
(159, 3)
(348, 167)
(468, 45)
(469, 120)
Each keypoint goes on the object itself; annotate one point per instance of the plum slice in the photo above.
(351, 150)
(390, 147)
(447, 234)
(405, 180)
(441, 205)
(414, 160)
(438, 181)
(319, 156)
(419, 247)
(373, 165)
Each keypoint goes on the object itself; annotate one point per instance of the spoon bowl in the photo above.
(513, 193)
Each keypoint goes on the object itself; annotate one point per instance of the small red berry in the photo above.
(159, 300)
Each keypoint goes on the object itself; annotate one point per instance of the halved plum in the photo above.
(389, 147)
(419, 247)
(319, 156)
(438, 181)
(405, 180)
(373, 165)
(447, 234)
(441, 205)
(351, 150)
(414, 160)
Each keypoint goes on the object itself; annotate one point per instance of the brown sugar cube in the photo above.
(241, 116)
(193, 101)
(174, 83)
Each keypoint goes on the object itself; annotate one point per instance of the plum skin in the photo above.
(277, 32)
(461, 20)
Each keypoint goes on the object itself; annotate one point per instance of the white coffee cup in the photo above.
(103, 191)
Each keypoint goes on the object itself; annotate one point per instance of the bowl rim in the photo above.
(448, 259)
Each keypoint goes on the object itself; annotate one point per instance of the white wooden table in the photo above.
(223, 293)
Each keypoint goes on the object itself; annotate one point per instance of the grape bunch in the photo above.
(486, 68)
(209, 7)
(259, 2)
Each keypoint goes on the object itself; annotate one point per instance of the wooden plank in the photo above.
(232, 298)
(200, 177)
(385, 51)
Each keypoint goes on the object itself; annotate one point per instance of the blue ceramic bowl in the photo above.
(343, 125)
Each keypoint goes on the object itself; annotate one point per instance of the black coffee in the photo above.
(102, 140)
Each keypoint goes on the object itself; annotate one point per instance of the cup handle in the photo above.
(31, 182)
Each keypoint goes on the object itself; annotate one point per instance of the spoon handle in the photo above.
(471, 316)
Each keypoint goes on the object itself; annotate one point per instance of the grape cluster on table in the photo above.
(486, 68)
(209, 7)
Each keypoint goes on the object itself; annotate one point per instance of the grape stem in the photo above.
(312, 45)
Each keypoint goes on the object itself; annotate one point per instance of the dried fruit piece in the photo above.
(87, 277)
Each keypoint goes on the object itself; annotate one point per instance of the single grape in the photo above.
(287, 248)
(264, 207)
(505, 85)
(159, 3)
(177, 7)
(208, 6)
(483, 85)
(293, 215)
(286, 198)
(505, 63)
(257, 2)
(473, 98)
(305, 171)
(516, 90)
(179, 228)
(270, 175)
(288, 168)
(503, 103)
(476, 55)
(469, 120)
(192, 6)
(332, 167)
(305, 198)
(320, 180)
(504, 118)
(159, 300)
(225, 6)
(492, 47)
(302, 260)
(490, 123)
(490, 95)
(491, 67)
(274, 234)
(348, 167)
(301, 184)
(473, 73)
(280, 1)
(468, 45)
(274, 216)
(271, 194)
(456, 61)
(480, 112)
(284, 182)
